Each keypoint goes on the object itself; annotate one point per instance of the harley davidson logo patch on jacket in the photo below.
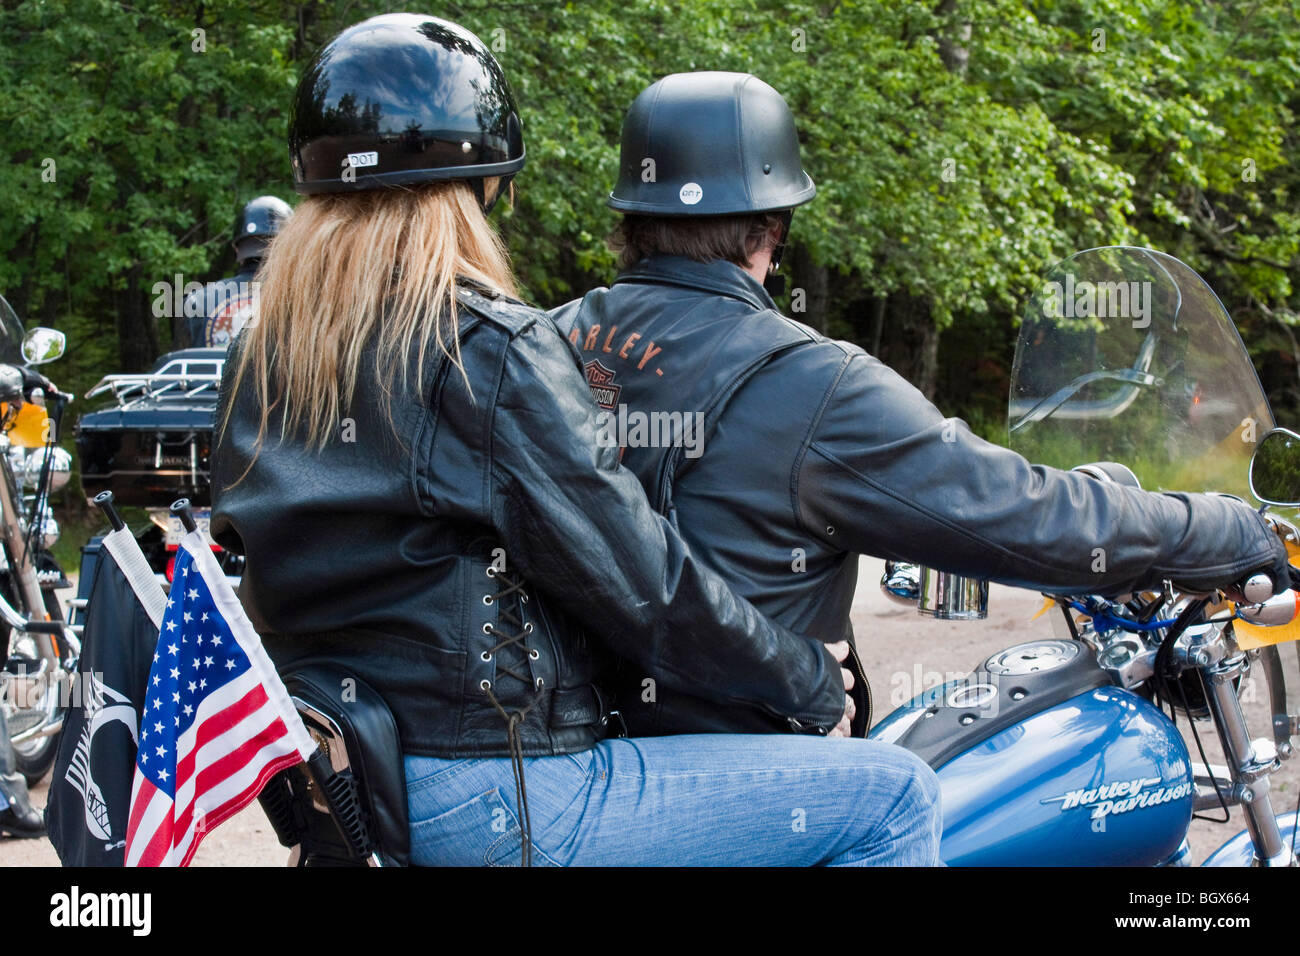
(601, 381)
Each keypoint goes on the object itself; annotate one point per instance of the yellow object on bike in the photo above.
(1250, 636)
(31, 428)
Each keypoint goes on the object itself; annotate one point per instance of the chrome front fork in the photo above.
(31, 698)
(1250, 762)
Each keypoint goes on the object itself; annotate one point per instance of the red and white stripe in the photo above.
(237, 742)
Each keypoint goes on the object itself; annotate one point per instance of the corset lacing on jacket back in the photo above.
(511, 599)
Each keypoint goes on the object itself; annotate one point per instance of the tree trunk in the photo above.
(953, 49)
(877, 322)
(137, 329)
(910, 343)
(927, 373)
(810, 289)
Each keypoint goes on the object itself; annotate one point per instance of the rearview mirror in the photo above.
(1275, 468)
(42, 345)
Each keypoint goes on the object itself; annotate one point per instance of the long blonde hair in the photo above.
(349, 269)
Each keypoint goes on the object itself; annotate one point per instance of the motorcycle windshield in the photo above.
(11, 335)
(1127, 355)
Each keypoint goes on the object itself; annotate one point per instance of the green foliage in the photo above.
(131, 140)
(959, 147)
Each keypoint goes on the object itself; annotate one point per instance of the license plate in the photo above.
(176, 531)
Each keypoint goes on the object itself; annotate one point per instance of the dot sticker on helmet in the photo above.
(363, 159)
(690, 194)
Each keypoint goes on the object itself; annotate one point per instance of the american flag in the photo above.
(217, 723)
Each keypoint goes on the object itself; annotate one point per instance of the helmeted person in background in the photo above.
(212, 318)
(808, 451)
(407, 455)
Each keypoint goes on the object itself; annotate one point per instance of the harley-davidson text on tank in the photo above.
(1123, 796)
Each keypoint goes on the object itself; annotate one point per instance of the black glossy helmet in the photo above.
(401, 99)
(709, 144)
(258, 221)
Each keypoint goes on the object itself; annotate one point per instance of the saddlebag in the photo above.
(347, 805)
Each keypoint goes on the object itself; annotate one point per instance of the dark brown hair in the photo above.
(702, 238)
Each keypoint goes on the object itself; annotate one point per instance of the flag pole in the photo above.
(125, 550)
(181, 509)
(104, 500)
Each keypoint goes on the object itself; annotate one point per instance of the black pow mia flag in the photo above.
(90, 793)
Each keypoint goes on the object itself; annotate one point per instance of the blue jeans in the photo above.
(706, 800)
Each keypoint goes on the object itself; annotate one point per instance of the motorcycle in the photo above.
(150, 445)
(1067, 750)
(42, 650)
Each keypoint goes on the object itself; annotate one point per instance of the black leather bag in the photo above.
(347, 805)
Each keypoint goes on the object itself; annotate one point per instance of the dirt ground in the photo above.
(903, 653)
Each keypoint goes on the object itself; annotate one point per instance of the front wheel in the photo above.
(34, 758)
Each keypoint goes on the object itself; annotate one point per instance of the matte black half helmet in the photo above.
(402, 99)
(709, 144)
(258, 222)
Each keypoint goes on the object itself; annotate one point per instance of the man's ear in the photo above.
(770, 241)
(782, 232)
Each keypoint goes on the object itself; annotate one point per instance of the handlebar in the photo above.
(32, 380)
(1280, 609)
(1258, 588)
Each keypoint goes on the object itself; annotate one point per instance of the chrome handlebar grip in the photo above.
(1258, 588)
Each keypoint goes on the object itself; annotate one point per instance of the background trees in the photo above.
(959, 146)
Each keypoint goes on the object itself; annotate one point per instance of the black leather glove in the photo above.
(33, 379)
(1281, 572)
(1284, 573)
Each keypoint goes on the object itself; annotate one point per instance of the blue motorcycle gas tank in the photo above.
(1100, 779)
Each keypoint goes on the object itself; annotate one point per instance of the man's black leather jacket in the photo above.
(813, 452)
(384, 551)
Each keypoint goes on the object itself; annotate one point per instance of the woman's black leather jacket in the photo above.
(478, 555)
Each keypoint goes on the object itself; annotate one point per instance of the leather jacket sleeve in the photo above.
(885, 473)
(580, 528)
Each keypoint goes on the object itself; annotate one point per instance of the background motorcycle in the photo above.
(1067, 750)
(151, 446)
(41, 651)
